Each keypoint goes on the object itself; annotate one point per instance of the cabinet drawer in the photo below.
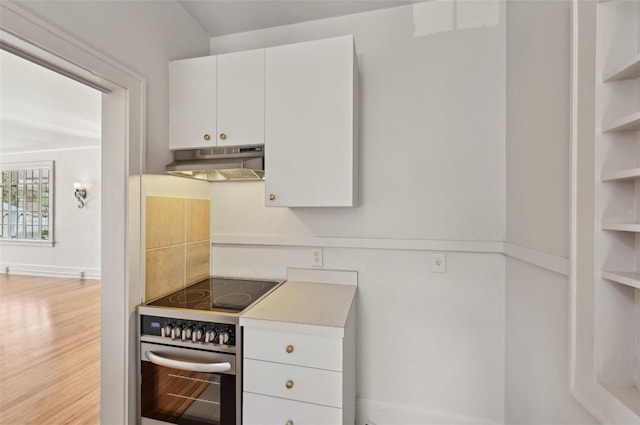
(297, 349)
(263, 410)
(306, 384)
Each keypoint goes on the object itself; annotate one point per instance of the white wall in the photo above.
(76, 230)
(432, 127)
(538, 206)
(142, 35)
(430, 346)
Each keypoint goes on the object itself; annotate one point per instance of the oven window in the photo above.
(187, 398)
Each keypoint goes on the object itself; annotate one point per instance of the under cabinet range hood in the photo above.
(223, 163)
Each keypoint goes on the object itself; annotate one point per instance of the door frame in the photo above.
(123, 163)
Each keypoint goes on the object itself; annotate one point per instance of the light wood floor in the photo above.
(49, 350)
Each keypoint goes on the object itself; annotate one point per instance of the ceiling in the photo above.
(43, 110)
(222, 17)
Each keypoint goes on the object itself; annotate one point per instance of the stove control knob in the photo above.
(175, 332)
(223, 338)
(209, 336)
(196, 335)
(165, 331)
(186, 333)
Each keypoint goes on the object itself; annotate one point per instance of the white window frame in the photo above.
(31, 166)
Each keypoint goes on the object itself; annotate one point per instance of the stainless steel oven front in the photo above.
(191, 371)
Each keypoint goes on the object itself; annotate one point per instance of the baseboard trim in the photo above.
(372, 412)
(51, 271)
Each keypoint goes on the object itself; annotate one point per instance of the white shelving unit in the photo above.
(626, 278)
(628, 123)
(629, 174)
(622, 227)
(617, 290)
(625, 71)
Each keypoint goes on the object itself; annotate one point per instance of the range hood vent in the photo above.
(224, 163)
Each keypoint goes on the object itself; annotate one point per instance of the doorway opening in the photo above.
(122, 155)
(50, 132)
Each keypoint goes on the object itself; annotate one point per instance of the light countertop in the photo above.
(320, 308)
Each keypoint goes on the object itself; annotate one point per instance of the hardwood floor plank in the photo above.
(49, 350)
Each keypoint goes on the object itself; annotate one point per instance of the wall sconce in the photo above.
(80, 193)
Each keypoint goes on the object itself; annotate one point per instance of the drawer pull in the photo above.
(289, 349)
(289, 384)
(289, 422)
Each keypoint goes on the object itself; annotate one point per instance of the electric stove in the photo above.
(191, 352)
(217, 294)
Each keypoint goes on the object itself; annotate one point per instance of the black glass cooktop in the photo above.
(218, 294)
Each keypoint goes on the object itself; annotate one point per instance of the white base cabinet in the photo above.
(298, 383)
(300, 369)
(277, 389)
(265, 410)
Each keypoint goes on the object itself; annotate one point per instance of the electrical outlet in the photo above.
(439, 263)
(316, 257)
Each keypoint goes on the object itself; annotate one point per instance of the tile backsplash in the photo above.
(177, 244)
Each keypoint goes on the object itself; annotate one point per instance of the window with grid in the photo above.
(27, 193)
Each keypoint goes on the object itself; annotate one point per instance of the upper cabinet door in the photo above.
(241, 98)
(311, 91)
(192, 100)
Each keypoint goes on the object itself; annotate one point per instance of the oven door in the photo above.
(187, 386)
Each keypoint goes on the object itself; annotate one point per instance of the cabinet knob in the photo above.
(289, 349)
(289, 384)
(272, 197)
(289, 422)
(207, 137)
(223, 136)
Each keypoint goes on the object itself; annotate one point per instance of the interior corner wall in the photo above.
(76, 231)
(141, 35)
(538, 213)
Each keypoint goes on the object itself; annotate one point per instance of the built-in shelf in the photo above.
(626, 278)
(628, 123)
(630, 174)
(622, 227)
(606, 312)
(625, 71)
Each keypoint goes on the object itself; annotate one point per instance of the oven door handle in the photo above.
(189, 366)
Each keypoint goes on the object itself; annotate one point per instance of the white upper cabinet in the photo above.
(241, 98)
(311, 92)
(217, 100)
(192, 103)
